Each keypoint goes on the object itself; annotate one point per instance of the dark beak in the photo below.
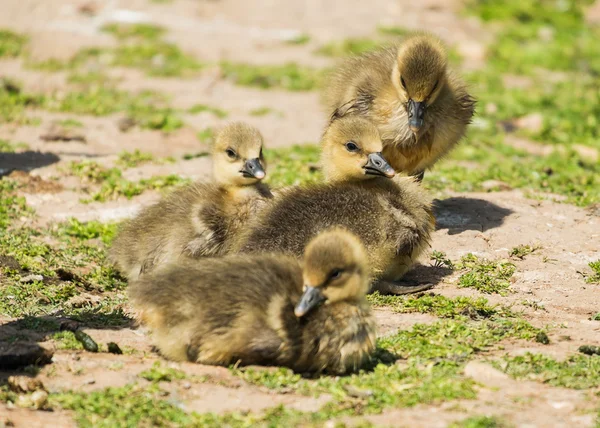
(416, 112)
(377, 165)
(311, 298)
(253, 169)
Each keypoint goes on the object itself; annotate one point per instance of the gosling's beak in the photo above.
(377, 165)
(311, 298)
(253, 169)
(416, 112)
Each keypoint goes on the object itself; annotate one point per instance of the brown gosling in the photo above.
(267, 309)
(392, 217)
(201, 219)
(421, 108)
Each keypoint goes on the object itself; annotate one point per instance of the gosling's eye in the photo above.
(403, 82)
(351, 146)
(335, 274)
(231, 153)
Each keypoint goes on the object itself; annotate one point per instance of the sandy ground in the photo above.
(488, 224)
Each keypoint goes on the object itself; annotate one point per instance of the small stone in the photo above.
(31, 278)
(187, 385)
(358, 393)
(89, 382)
(542, 338)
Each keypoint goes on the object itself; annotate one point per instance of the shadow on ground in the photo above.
(458, 214)
(25, 161)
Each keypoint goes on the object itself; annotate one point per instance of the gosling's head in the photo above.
(351, 150)
(335, 270)
(419, 76)
(237, 155)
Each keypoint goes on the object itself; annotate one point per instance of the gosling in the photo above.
(392, 217)
(199, 220)
(421, 109)
(264, 309)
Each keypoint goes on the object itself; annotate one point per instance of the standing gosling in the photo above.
(421, 109)
(264, 309)
(392, 217)
(201, 219)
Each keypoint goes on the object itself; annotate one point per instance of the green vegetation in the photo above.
(200, 108)
(261, 111)
(293, 165)
(135, 158)
(594, 278)
(158, 373)
(70, 123)
(441, 306)
(491, 277)
(89, 230)
(577, 372)
(206, 136)
(348, 47)
(300, 39)
(481, 422)
(521, 251)
(11, 44)
(440, 260)
(66, 340)
(8, 147)
(291, 76)
(147, 32)
(13, 103)
(113, 185)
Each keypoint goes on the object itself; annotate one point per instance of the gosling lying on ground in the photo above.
(201, 219)
(265, 309)
(392, 218)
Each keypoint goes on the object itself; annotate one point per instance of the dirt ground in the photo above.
(486, 224)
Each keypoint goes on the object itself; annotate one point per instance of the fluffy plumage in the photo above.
(201, 219)
(240, 308)
(421, 108)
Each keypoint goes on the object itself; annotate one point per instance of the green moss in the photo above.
(577, 372)
(441, 306)
(293, 165)
(594, 278)
(11, 44)
(481, 422)
(491, 277)
(89, 230)
(140, 31)
(66, 340)
(200, 108)
(158, 373)
(290, 76)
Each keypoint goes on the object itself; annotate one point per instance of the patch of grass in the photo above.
(491, 277)
(442, 306)
(206, 136)
(200, 108)
(348, 47)
(293, 165)
(66, 340)
(158, 58)
(12, 206)
(8, 147)
(577, 371)
(300, 39)
(70, 123)
(440, 260)
(113, 185)
(290, 76)
(261, 111)
(135, 158)
(89, 230)
(37, 324)
(481, 422)
(594, 278)
(393, 31)
(14, 102)
(158, 373)
(11, 44)
(139, 31)
(521, 251)
(596, 317)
